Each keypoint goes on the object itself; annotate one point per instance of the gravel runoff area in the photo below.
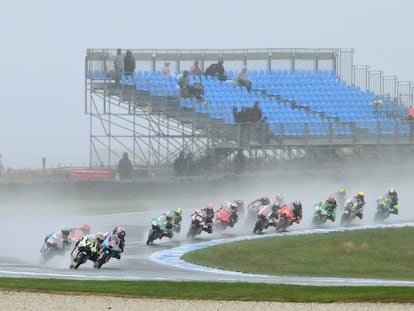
(14, 300)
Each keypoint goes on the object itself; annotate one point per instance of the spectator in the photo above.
(196, 90)
(2, 169)
(166, 70)
(119, 67)
(184, 84)
(240, 116)
(129, 64)
(216, 70)
(243, 80)
(255, 113)
(411, 122)
(124, 167)
(195, 68)
(180, 164)
(186, 90)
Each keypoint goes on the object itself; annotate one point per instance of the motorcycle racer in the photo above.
(255, 206)
(297, 211)
(394, 200)
(164, 224)
(93, 242)
(177, 219)
(330, 204)
(359, 202)
(208, 214)
(63, 233)
(231, 207)
(120, 233)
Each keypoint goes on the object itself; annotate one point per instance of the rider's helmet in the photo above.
(99, 237)
(120, 233)
(392, 192)
(297, 205)
(360, 195)
(65, 231)
(178, 212)
(86, 229)
(341, 190)
(115, 230)
(265, 200)
(209, 208)
(279, 199)
(331, 201)
(234, 206)
(170, 215)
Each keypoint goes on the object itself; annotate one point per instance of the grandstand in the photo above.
(317, 102)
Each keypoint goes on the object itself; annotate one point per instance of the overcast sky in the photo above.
(44, 44)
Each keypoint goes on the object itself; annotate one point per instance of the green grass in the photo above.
(212, 290)
(382, 253)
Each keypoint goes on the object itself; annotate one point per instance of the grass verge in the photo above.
(213, 290)
(371, 253)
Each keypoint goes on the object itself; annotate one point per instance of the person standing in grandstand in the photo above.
(166, 70)
(129, 64)
(124, 167)
(119, 67)
(255, 113)
(195, 68)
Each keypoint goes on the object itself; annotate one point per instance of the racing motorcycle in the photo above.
(225, 218)
(110, 248)
(198, 225)
(262, 220)
(158, 231)
(384, 208)
(320, 214)
(52, 246)
(84, 249)
(349, 213)
(285, 215)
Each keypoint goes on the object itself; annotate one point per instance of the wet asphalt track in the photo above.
(161, 260)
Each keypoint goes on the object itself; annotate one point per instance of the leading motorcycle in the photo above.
(84, 250)
(110, 248)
